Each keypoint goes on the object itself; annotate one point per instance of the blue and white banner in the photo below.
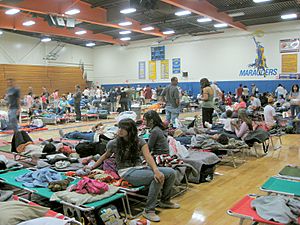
(176, 65)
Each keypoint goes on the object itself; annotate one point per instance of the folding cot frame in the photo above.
(291, 172)
(50, 212)
(244, 211)
(231, 154)
(9, 178)
(281, 186)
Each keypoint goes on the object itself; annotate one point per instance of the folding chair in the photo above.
(244, 211)
(281, 186)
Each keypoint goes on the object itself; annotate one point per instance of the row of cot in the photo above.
(286, 183)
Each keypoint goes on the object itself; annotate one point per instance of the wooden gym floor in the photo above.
(207, 203)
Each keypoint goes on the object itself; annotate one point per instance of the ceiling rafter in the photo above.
(42, 27)
(204, 8)
(97, 16)
(239, 7)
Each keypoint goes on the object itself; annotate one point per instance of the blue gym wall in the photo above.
(194, 87)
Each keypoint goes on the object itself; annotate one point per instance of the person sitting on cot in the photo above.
(127, 149)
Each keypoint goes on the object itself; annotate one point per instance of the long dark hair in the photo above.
(155, 118)
(295, 85)
(132, 143)
(204, 82)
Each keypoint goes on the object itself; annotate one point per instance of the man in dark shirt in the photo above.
(13, 98)
(77, 99)
(170, 95)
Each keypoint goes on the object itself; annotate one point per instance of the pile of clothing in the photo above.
(285, 210)
(91, 186)
(39, 178)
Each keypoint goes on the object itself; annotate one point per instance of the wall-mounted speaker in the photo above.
(185, 74)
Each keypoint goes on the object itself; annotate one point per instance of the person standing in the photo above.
(254, 90)
(239, 91)
(13, 98)
(295, 100)
(280, 90)
(170, 95)
(148, 94)
(208, 101)
(77, 99)
(123, 100)
(46, 96)
(216, 89)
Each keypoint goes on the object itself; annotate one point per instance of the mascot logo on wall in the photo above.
(259, 66)
(260, 63)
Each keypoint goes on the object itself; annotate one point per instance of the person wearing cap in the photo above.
(270, 113)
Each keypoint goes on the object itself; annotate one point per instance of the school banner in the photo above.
(164, 69)
(142, 70)
(176, 66)
(152, 70)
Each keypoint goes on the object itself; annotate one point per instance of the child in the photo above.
(228, 122)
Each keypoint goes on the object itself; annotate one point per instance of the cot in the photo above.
(12, 165)
(290, 172)
(9, 178)
(281, 186)
(50, 213)
(243, 210)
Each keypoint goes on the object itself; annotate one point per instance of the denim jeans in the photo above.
(145, 177)
(89, 136)
(172, 113)
(13, 119)
(295, 109)
(77, 111)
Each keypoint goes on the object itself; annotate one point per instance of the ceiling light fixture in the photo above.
(125, 39)
(204, 20)
(72, 12)
(169, 32)
(183, 13)
(28, 23)
(128, 10)
(90, 44)
(125, 23)
(81, 32)
(12, 11)
(236, 14)
(1, 32)
(45, 39)
(221, 25)
(125, 32)
(289, 16)
(260, 1)
(147, 28)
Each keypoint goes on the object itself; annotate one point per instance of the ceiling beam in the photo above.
(97, 16)
(42, 27)
(204, 8)
(252, 5)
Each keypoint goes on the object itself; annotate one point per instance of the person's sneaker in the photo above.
(151, 215)
(207, 125)
(169, 205)
(61, 133)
